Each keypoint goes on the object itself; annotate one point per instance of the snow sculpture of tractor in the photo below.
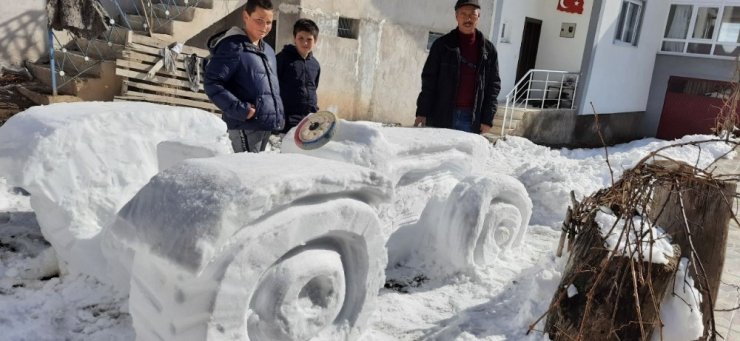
(259, 247)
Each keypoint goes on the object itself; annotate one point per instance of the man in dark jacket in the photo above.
(299, 71)
(460, 82)
(241, 80)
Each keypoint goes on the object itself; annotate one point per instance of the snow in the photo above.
(82, 161)
(642, 235)
(200, 208)
(681, 314)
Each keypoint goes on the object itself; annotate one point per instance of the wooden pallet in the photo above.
(139, 56)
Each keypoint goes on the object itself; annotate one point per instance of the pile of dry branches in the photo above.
(620, 291)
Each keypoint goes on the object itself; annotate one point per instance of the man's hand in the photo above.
(250, 113)
(485, 128)
(421, 121)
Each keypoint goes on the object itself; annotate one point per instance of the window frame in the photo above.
(431, 37)
(721, 5)
(619, 34)
(348, 28)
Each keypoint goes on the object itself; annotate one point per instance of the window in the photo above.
(348, 28)
(708, 30)
(432, 37)
(630, 21)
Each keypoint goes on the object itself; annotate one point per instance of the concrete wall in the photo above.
(564, 128)
(684, 66)
(618, 79)
(378, 76)
(23, 31)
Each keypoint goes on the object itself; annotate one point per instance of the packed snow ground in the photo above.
(497, 303)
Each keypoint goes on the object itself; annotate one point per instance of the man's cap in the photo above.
(461, 3)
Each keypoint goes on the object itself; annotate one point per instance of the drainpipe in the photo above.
(52, 63)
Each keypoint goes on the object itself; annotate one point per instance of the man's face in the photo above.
(258, 24)
(304, 42)
(467, 19)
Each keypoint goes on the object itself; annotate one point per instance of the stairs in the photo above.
(86, 69)
(514, 122)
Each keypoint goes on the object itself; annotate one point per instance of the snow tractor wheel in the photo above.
(307, 272)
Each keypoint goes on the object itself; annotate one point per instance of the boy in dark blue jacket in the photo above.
(299, 71)
(241, 80)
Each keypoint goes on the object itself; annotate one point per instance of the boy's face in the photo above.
(304, 42)
(258, 24)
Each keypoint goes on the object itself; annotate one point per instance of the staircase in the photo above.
(536, 95)
(86, 69)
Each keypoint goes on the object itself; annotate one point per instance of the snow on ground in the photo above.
(496, 303)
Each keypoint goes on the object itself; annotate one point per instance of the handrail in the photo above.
(522, 91)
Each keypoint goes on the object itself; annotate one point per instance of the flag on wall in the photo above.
(571, 6)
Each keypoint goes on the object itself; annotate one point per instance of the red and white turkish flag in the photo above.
(571, 6)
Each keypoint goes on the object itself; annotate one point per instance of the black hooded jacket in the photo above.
(440, 77)
(299, 79)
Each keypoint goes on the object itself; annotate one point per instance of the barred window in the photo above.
(432, 37)
(348, 28)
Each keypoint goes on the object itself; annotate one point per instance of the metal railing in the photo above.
(156, 14)
(541, 89)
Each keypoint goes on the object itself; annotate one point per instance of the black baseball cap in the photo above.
(461, 3)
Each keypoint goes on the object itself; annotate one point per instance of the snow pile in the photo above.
(653, 243)
(680, 310)
(550, 175)
(265, 246)
(82, 161)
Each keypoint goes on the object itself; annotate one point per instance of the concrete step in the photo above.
(201, 15)
(103, 88)
(498, 121)
(515, 113)
(164, 12)
(75, 63)
(45, 97)
(139, 24)
(65, 85)
(185, 3)
(116, 35)
(97, 49)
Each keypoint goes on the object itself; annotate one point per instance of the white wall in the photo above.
(378, 76)
(23, 31)
(513, 14)
(554, 52)
(621, 75)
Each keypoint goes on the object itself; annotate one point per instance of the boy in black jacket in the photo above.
(298, 72)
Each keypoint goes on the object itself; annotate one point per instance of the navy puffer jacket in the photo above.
(240, 75)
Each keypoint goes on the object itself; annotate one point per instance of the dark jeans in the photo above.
(249, 141)
(462, 119)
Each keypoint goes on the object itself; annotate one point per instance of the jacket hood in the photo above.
(217, 38)
(292, 49)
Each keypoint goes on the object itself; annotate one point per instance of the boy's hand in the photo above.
(421, 121)
(250, 113)
(485, 128)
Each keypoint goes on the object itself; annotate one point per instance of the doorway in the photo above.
(530, 44)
